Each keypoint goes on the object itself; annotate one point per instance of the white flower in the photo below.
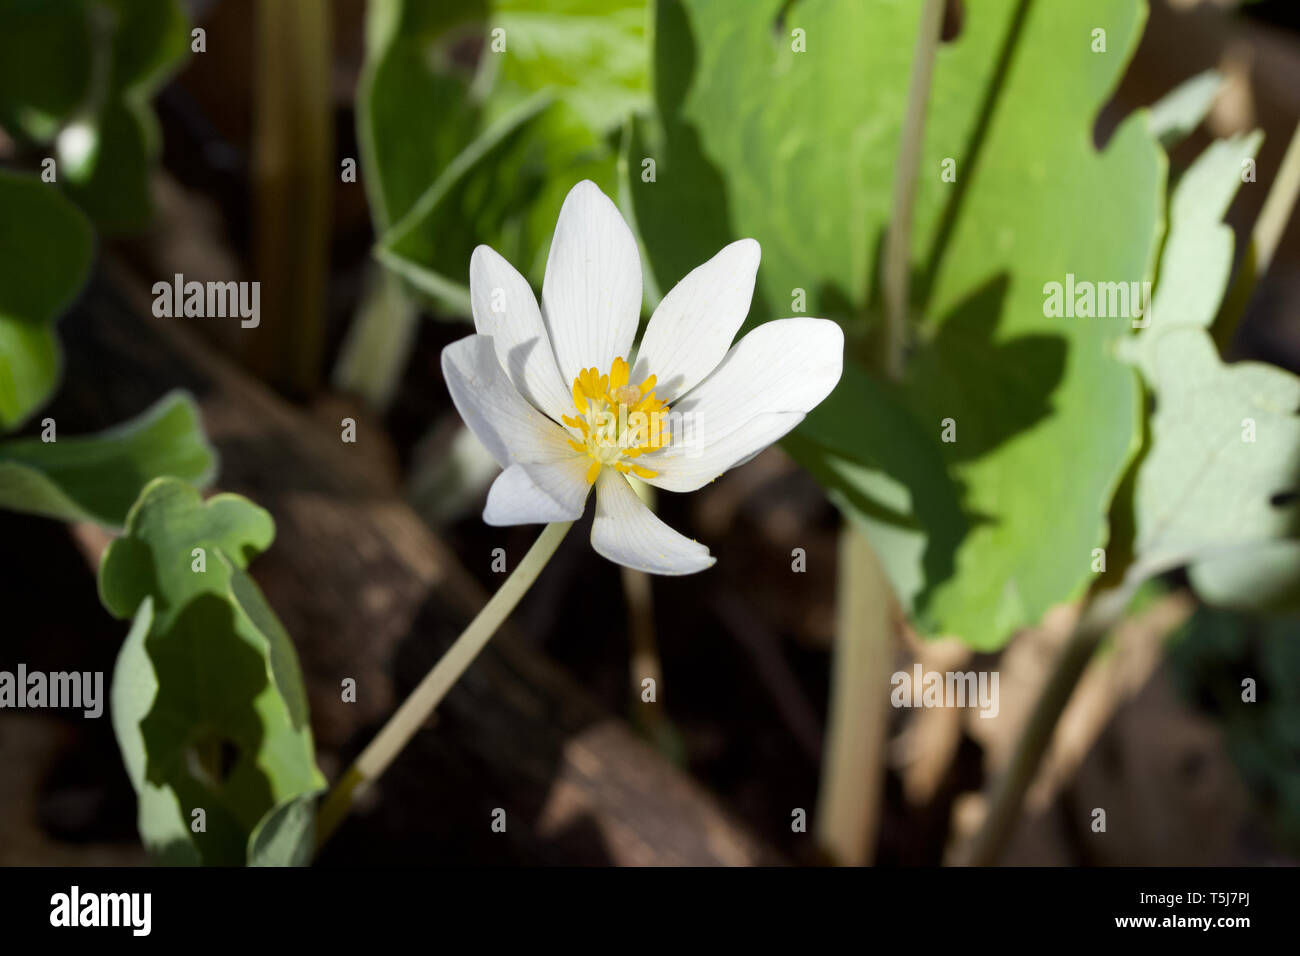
(550, 391)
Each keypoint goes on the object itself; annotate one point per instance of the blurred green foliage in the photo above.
(45, 253)
(78, 75)
(476, 118)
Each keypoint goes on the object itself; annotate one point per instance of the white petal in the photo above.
(629, 533)
(505, 308)
(539, 493)
(688, 467)
(769, 380)
(510, 428)
(591, 296)
(691, 330)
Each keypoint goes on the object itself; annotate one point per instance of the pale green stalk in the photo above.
(848, 800)
(1278, 206)
(415, 710)
(899, 238)
(853, 757)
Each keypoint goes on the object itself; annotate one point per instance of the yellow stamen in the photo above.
(616, 422)
(618, 373)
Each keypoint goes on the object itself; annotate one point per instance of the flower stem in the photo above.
(853, 756)
(415, 710)
(898, 240)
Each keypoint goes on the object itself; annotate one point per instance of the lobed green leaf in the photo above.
(207, 698)
(1216, 487)
(797, 150)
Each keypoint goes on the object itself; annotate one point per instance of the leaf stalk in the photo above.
(896, 266)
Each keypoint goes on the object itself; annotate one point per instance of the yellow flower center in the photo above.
(618, 421)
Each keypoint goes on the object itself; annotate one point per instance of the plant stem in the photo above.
(853, 756)
(378, 342)
(415, 710)
(644, 657)
(1278, 206)
(848, 798)
(898, 241)
(1269, 226)
(1101, 613)
(293, 180)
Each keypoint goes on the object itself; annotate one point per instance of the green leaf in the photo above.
(45, 64)
(501, 190)
(146, 41)
(1181, 110)
(474, 121)
(80, 74)
(98, 477)
(286, 836)
(1225, 455)
(112, 182)
(497, 174)
(1197, 258)
(894, 485)
(592, 54)
(1215, 490)
(208, 702)
(411, 59)
(153, 558)
(431, 246)
(45, 252)
(1265, 577)
(797, 150)
(161, 818)
(149, 38)
(753, 145)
